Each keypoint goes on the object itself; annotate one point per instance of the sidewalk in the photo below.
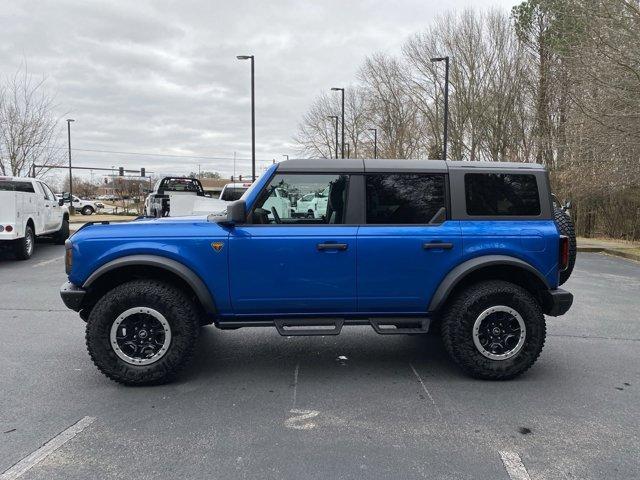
(618, 248)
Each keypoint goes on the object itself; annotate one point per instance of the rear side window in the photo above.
(500, 194)
(6, 185)
(405, 198)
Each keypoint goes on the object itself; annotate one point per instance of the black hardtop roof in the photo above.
(396, 165)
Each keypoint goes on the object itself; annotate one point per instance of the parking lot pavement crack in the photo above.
(426, 391)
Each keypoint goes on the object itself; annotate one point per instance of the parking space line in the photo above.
(47, 449)
(46, 262)
(514, 466)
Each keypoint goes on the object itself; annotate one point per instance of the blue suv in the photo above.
(473, 250)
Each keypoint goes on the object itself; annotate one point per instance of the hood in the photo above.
(188, 226)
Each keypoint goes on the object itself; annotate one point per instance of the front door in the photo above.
(286, 262)
(407, 244)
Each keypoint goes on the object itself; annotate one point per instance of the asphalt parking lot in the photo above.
(257, 405)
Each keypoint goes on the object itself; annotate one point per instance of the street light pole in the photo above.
(335, 117)
(71, 208)
(253, 115)
(446, 102)
(375, 141)
(348, 151)
(336, 89)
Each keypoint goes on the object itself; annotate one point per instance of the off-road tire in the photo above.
(87, 210)
(566, 227)
(22, 249)
(459, 318)
(62, 234)
(180, 313)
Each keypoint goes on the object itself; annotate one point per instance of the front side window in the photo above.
(302, 199)
(405, 198)
(501, 194)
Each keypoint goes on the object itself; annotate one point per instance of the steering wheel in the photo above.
(276, 217)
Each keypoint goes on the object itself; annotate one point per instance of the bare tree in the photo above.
(29, 129)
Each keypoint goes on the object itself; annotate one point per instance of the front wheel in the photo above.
(87, 210)
(494, 330)
(142, 332)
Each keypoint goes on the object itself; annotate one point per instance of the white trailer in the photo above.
(28, 209)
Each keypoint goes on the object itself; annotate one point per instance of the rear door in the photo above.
(407, 244)
(281, 263)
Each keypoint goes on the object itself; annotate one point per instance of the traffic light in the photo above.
(121, 171)
(142, 172)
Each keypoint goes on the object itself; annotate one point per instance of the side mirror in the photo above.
(61, 202)
(236, 212)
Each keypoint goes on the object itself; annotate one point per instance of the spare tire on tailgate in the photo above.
(566, 228)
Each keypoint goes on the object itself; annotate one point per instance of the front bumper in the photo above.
(72, 296)
(558, 302)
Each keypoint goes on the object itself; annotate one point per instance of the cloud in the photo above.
(161, 76)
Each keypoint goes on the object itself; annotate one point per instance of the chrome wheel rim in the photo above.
(499, 332)
(140, 336)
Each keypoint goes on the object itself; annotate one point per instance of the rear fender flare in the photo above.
(457, 274)
(185, 273)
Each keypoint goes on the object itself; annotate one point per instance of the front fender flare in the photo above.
(458, 273)
(185, 273)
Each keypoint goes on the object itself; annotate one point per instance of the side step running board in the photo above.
(400, 326)
(311, 326)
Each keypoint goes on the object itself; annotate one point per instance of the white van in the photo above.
(28, 208)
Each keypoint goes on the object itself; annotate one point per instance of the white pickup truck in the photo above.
(28, 208)
(180, 196)
(86, 207)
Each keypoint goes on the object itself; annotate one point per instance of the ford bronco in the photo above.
(472, 250)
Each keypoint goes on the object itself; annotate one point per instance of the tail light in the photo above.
(8, 228)
(564, 252)
(68, 256)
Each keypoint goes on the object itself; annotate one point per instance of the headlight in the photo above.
(68, 256)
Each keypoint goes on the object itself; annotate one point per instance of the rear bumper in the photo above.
(557, 302)
(72, 296)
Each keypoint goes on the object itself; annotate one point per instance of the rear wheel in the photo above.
(142, 332)
(494, 330)
(25, 246)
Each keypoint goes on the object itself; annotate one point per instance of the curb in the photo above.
(611, 251)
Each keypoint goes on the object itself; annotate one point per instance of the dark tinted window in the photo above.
(16, 186)
(405, 198)
(501, 194)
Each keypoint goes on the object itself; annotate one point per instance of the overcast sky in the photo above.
(161, 77)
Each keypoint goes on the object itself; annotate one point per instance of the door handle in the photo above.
(332, 246)
(437, 246)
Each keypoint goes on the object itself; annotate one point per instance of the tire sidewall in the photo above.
(165, 299)
(87, 210)
(63, 233)
(464, 350)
